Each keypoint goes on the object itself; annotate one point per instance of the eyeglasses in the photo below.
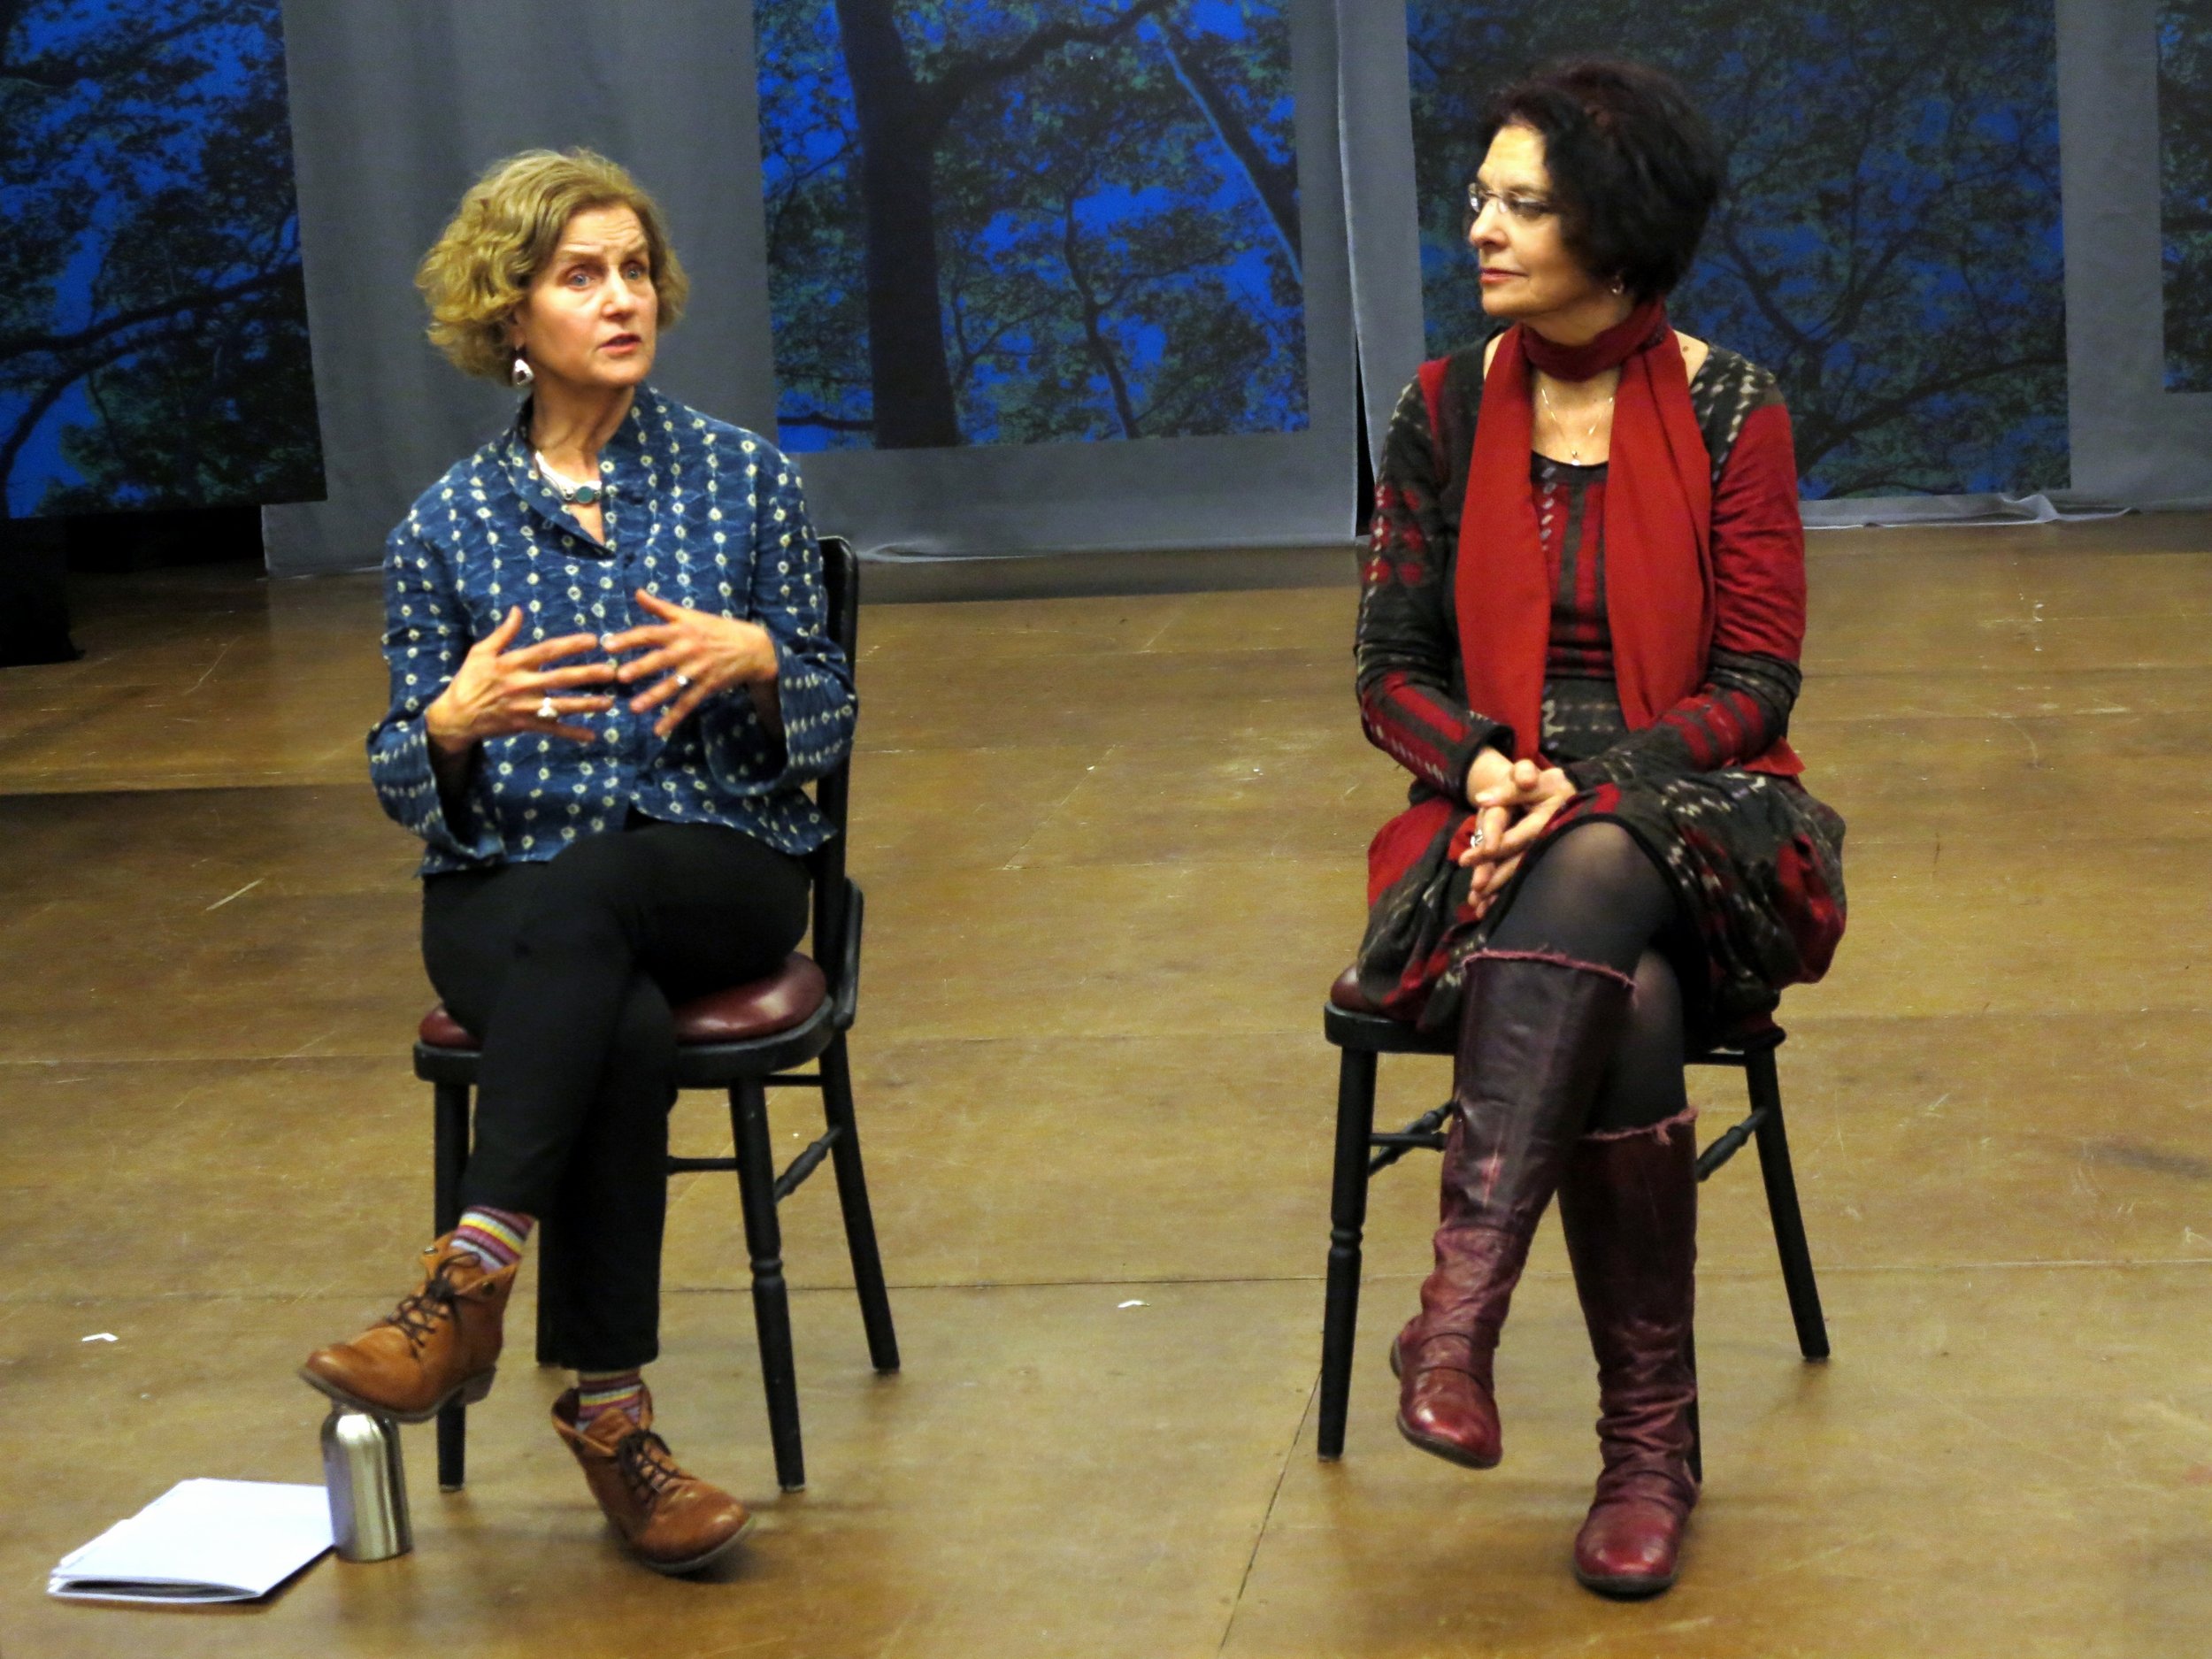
(1525, 209)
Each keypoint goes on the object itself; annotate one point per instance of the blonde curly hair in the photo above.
(509, 226)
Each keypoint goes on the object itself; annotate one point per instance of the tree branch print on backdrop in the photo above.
(1030, 221)
(153, 328)
(2185, 128)
(1890, 246)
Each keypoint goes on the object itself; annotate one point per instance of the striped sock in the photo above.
(494, 1236)
(603, 1391)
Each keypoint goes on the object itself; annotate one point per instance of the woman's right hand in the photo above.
(1529, 797)
(497, 693)
(1491, 771)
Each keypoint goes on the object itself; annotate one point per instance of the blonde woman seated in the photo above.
(610, 678)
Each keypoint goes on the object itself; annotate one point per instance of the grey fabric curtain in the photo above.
(2135, 444)
(1381, 215)
(396, 108)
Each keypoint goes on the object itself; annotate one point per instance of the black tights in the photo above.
(1594, 894)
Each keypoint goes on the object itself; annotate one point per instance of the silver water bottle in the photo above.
(366, 1482)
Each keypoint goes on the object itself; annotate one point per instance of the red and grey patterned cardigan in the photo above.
(1412, 685)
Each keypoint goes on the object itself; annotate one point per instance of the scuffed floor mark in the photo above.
(2134, 1154)
(2035, 751)
(223, 651)
(2174, 1417)
(241, 893)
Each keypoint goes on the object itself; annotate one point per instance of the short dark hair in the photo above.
(1635, 169)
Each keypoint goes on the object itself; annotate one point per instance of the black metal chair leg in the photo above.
(852, 1198)
(549, 1350)
(449, 1153)
(1347, 1220)
(449, 1157)
(1789, 1221)
(771, 1304)
(1697, 1433)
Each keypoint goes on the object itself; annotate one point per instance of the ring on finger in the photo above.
(546, 710)
(683, 681)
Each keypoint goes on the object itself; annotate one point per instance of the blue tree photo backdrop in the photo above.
(1023, 221)
(153, 327)
(1890, 246)
(2185, 123)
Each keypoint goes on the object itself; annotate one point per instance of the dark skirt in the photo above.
(1756, 863)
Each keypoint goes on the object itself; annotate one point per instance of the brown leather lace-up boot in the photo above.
(1629, 1205)
(440, 1345)
(672, 1521)
(1535, 1033)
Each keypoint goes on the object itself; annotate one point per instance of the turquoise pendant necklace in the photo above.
(571, 494)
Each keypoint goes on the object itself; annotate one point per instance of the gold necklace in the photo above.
(1574, 450)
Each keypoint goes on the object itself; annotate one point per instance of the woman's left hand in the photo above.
(697, 653)
(1526, 786)
(1536, 793)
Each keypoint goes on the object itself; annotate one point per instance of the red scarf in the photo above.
(1659, 583)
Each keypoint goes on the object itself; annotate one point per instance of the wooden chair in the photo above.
(744, 1041)
(1362, 1033)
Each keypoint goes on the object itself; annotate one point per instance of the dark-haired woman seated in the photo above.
(1579, 633)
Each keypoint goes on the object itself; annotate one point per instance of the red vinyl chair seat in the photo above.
(740, 1014)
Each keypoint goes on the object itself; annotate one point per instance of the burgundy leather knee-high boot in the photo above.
(1535, 1033)
(1629, 1205)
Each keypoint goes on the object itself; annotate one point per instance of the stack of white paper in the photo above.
(200, 1540)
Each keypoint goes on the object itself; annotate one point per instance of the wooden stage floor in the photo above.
(1113, 853)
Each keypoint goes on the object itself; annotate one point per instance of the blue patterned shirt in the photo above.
(701, 513)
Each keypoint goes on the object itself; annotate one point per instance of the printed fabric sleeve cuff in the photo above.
(1625, 763)
(408, 790)
(1485, 734)
(749, 758)
(818, 710)
(1588, 774)
(1630, 762)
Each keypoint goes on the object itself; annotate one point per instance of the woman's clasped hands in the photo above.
(1514, 801)
(501, 689)
(696, 654)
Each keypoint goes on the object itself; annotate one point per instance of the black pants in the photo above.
(565, 972)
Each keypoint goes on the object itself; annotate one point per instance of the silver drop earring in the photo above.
(520, 374)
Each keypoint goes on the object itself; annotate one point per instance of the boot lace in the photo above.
(419, 1315)
(648, 1467)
